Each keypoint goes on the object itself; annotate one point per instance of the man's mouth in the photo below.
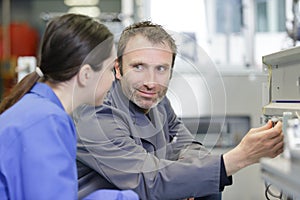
(146, 94)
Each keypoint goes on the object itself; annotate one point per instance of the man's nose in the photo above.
(150, 79)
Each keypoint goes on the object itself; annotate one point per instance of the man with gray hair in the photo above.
(136, 141)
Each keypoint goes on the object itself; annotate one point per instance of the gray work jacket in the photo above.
(154, 154)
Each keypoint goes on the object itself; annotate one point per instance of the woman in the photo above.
(37, 135)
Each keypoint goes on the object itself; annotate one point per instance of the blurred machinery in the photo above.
(282, 172)
(292, 20)
(218, 131)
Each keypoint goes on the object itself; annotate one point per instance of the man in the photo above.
(137, 142)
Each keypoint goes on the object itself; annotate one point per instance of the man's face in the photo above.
(146, 71)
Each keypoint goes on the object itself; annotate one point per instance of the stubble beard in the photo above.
(146, 103)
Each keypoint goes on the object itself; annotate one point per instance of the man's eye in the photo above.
(161, 68)
(138, 67)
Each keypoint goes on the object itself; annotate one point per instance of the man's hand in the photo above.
(265, 141)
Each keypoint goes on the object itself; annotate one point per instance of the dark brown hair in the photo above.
(69, 42)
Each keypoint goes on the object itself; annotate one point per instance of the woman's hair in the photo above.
(69, 42)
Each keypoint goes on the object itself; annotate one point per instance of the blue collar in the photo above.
(46, 91)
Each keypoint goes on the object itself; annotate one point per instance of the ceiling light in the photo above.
(91, 11)
(81, 2)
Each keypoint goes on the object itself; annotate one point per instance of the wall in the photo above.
(30, 10)
(232, 93)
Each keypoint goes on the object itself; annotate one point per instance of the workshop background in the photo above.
(219, 64)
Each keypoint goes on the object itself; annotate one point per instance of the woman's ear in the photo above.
(117, 70)
(85, 74)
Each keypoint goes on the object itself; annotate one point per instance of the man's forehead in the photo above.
(139, 43)
(147, 50)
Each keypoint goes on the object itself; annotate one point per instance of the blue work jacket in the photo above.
(37, 149)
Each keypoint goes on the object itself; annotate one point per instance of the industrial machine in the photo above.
(282, 173)
(218, 131)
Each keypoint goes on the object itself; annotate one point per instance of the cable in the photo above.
(297, 114)
(269, 192)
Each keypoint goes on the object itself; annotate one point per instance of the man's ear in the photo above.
(118, 70)
(85, 74)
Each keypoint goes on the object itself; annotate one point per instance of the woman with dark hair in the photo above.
(37, 135)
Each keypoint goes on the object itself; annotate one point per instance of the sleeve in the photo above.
(183, 142)
(112, 195)
(105, 145)
(48, 160)
(189, 148)
(224, 180)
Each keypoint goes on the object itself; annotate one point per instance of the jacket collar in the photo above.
(43, 90)
(150, 123)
